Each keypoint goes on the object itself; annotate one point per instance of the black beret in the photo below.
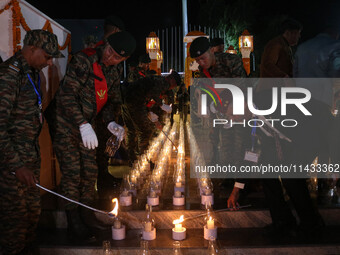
(145, 58)
(174, 75)
(114, 21)
(199, 46)
(216, 41)
(123, 43)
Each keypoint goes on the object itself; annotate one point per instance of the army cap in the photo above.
(145, 58)
(123, 43)
(199, 46)
(45, 40)
(114, 21)
(216, 41)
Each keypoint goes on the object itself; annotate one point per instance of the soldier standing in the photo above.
(87, 87)
(221, 65)
(106, 181)
(20, 125)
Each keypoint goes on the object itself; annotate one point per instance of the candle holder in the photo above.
(178, 199)
(207, 199)
(210, 229)
(179, 232)
(210, 232)
(149, 230)
(153, 198)
(179, 235)
(125, 198)
(118, 233)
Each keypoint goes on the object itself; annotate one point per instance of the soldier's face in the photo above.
(293, 36)
(206, 60)
(111, 57)
(39, 58)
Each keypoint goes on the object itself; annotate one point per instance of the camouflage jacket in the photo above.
(75, 100)
(226, 66)
(139, 93)
(136, 95)
(19, 114)
(135, 75)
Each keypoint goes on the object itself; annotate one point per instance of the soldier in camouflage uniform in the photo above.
(136, 114)
(221, 65)
(89, 83)
(142, 69)
(106, 182)
(20, 124)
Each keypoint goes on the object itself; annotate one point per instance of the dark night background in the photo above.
(260, 17)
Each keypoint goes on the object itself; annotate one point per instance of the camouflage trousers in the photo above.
(19, 212)
(230, 144)
(139, 131)
(78, 168)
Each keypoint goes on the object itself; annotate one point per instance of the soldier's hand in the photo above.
(26, 176)
(159, 126)
(166, 108)
(116, 130)
(88, 136)
(152, 117)
(233, 198)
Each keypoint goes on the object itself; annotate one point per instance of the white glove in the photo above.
(212, 107)
(88, 136)
(153, 117)
(166, 108)
(116, 130)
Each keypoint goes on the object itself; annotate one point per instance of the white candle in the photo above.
(178, 184)
(148, 226)
(210, 223)
(178, 227)
(117, 224)
(178, 193)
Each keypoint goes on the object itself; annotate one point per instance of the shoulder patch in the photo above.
(13, 67)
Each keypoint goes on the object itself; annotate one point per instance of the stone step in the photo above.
(244, 241)
(227, 219)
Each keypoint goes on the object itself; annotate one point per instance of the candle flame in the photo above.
(115, 209)
(180, 220)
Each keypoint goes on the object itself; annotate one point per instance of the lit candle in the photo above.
(178, 227)
(117, 224)
(148, 226)
(178, 184)
(210, 223)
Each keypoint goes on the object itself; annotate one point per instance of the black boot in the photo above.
(91, 221)
(77, 228)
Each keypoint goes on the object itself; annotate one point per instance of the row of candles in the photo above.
(141, 171)
(203, 180)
